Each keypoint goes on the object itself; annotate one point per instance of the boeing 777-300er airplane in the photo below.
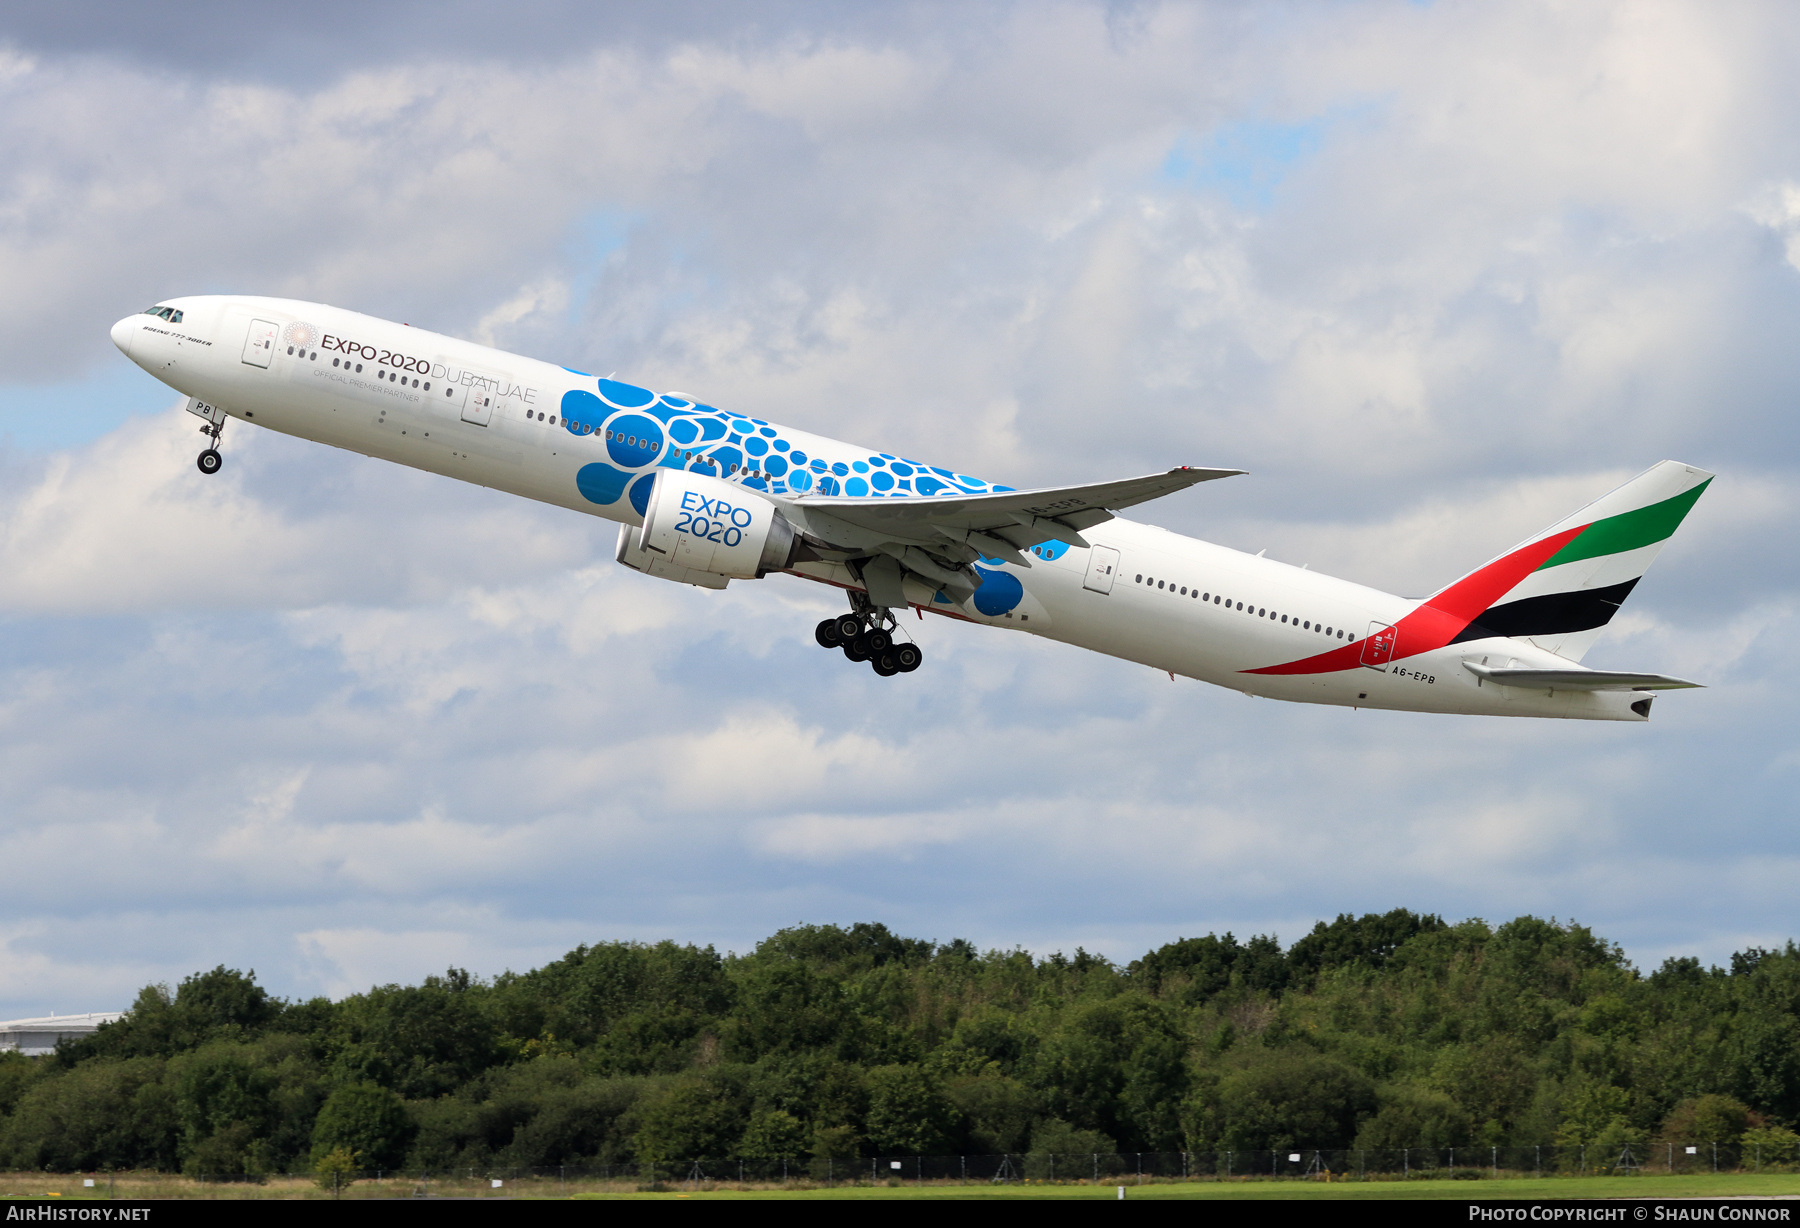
(704, 496)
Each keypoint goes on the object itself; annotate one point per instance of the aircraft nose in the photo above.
(124, 332)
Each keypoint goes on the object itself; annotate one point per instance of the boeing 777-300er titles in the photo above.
(704, 496)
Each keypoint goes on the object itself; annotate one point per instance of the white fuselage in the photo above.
(403, 394)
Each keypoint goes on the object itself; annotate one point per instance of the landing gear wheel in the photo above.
(209, 461)
(879, 641)
(886, 663)
(907, 657)
(857, 649)
(827, 634)
(849, 626)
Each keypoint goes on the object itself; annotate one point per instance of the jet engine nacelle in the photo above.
(703, 524)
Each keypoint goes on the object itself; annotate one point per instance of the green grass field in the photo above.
(1699, 1185)
(1752, 1185)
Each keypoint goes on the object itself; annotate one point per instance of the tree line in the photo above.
(829, 1043)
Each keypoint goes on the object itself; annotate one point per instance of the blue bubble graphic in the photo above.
(637, 440)
(640, 492)
(583, 407)
(626, 396)
(600, 483)
(697, 427)
(1000, 591)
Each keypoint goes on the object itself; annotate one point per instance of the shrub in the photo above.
(368, 1122)
(1293, 1102)
(336, 1168)
(1707, 1119)
(696, 1119)
(1414, 1116)
(908, 1113)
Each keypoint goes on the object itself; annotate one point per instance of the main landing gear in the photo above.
(867, 634)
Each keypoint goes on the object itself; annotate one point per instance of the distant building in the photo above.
(36, 1037)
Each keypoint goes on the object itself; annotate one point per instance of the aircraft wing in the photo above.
(939, 537)
(1022, 517)
(1576, 679)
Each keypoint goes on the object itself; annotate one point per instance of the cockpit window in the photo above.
(168, 313)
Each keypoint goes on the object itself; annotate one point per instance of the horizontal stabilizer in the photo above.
(1576, 679)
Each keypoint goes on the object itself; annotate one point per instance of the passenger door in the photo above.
(1378, 646)
(1103, 564)
(479, 407)
(259, 344)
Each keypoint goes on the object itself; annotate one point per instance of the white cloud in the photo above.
(128, 525)
(349, 723)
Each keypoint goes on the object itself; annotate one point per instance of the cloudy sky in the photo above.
(1436, 274)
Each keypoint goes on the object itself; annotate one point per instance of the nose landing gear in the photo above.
(867, 634)
(210, 461)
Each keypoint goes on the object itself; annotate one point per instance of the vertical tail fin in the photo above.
(1561, 587)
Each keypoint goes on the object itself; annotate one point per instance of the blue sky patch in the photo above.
(1246, 161)
(50, 417)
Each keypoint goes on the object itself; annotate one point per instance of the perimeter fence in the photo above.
(1283, 1164)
